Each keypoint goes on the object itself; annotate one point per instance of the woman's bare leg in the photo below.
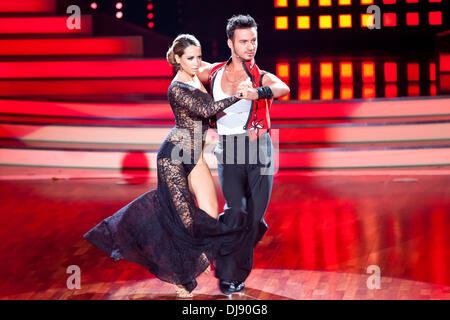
(202, 187)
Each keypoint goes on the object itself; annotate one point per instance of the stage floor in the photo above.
(325, 232)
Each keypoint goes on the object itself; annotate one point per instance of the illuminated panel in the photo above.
(326, 92)
(346, 72)
(303, 22)
(390, 71)
(435, 18)
(326, 72)
(433, 89)
(391, 90)
(345, 21)
(389, 1)
(368, 72)
(432, 71)
(389, 19)
(325, 22)
(412, 71)
(366, 2)
(324, 3)
(304, 72)
(434, 0)
(345, 2)
(302, 3)
(282, 70)
(347, 92)
(412, 1)
(412, 18)
(281, 3)
(413, 90)
(281, 23)
(305, 93)
(368, 91)
(367, 20)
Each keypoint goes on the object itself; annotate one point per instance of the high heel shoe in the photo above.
(182, 293)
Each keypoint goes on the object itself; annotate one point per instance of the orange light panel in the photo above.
(346, 72)
(326, 72)
(281, 23)
(390, 19)
(412, 71)
(324, 3)
(390, 71)
(368, 91)
(367, 20)
(304, 72)
(302, 3)
(282, 70)
(303, 22)
(325, 22)
(435, 18)
(347, 92)
(345, 21)
(305, 93)
(366, 2)
(345, 2)
(412, 18)
(368, 72)
(281, 3)
(326, 93)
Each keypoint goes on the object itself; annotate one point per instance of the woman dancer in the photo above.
(164, 229)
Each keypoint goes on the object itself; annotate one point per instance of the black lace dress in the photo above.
(163, 229)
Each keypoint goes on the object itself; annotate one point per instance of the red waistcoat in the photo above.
(258, 121)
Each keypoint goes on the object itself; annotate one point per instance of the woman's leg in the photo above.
(202, 187)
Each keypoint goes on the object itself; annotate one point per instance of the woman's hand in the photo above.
(246, 91)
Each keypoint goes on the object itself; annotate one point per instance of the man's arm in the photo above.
(204, 71)
(278, 87)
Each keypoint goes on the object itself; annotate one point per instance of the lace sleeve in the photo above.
(200, 103)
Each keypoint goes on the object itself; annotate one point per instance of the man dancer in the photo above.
(245, 184)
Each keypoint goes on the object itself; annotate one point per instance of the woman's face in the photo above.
(191, 59)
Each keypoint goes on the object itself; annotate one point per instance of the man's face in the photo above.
(245, 43)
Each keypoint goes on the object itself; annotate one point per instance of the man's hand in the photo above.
(246, 91)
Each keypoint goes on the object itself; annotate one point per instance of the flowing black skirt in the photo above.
(164, 231)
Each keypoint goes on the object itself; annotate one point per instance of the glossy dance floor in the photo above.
(325, 232)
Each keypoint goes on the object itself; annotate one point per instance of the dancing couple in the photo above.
(175, 231)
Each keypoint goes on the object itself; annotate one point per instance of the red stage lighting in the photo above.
(94, 5)
(391, 90)
(432, 71)
(413, 90)
(327, 92)
(389, 1)
(412, 71)
(345, 21)
(282, 70)
(390, 71)
(390, 19)
(368, 91)
(412, 18)
(435, 18)
(324, 3)
(347, 92)
(345, 2)
(366, 2)
(119, 5)
(305, 92)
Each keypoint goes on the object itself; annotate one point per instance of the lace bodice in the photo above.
(192, 107)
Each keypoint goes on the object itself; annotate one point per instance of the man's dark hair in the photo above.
(239, 22)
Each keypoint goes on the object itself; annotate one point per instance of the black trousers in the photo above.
(246, 177)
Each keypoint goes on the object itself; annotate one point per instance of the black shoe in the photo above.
(229, 287)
